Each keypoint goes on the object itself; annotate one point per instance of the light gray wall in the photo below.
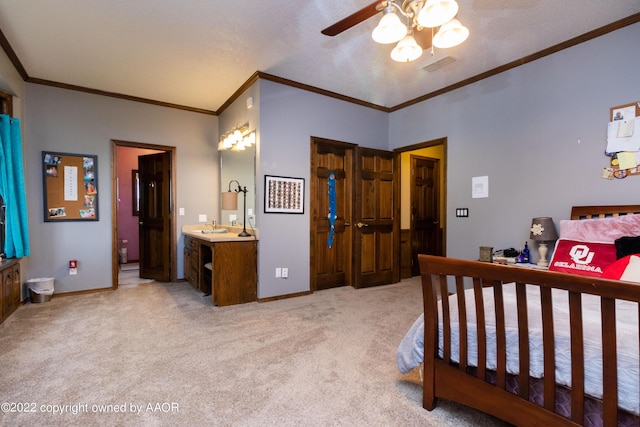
(75, 122)
(288, 118)
(538, 132)
(240, 165)
(521, 128)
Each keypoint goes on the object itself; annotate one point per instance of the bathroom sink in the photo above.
(216, 231)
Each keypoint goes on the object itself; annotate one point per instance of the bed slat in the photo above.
(546, 302)
(462, 321)
(501, 339)
(481, 330)
(577, 357)
(523, 341)
(609, 362)
(446, 321)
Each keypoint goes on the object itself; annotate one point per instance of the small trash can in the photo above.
(40, 289)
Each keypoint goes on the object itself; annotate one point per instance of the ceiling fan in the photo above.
(411, 38)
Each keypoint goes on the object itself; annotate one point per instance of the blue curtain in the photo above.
(12, 188)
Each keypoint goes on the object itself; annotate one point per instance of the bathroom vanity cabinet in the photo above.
(10, 285)
(223, 266)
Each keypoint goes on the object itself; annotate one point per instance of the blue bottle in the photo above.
(526, 256)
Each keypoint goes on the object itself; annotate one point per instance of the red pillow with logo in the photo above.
(584, 258)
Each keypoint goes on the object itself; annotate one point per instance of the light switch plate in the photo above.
(202, 218)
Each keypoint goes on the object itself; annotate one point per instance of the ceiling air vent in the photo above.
(439, 63)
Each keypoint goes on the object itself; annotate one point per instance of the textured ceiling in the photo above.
(197, 53)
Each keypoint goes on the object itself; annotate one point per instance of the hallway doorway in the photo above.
(127, 213)
(423, 171)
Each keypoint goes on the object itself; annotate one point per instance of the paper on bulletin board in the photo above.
(71, 183)
(617, 143)
(627, 160)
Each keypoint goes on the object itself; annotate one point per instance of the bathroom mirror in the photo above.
(239, 166)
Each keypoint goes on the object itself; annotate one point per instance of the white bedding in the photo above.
(411, 350)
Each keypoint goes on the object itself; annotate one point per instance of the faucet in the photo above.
(213, 224)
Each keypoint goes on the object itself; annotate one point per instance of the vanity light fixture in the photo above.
(237, 139)
(230, 203)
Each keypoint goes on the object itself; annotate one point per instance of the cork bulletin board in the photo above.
(70, 186)
(623, 142)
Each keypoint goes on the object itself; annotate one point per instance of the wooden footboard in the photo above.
(449, 374)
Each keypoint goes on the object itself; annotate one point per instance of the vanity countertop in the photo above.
(196, 230)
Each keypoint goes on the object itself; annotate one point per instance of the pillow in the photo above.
(583, 258)
(627, 245)
(627, 268)
(600, 230)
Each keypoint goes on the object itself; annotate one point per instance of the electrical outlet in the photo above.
(278, 272)
(233, 217)
(285, 273)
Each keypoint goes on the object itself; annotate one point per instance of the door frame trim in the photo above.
(314, 141)
(114, 204)
(439, 141)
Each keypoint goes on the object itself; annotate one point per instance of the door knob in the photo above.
(361, 224)
(346, 224)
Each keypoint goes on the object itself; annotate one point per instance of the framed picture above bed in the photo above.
(283, 194)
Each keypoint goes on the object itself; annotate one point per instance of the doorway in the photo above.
(423, 202)
(358, 185)
(128, 238)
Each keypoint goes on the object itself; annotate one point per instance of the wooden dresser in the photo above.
(225, 269)
(10, 287)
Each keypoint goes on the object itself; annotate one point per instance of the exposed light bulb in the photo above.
(437, 12)
(390, 29)
(407, 50)
(450, 34)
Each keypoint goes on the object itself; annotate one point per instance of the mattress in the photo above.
(410, 352)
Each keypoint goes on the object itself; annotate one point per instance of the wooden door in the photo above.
(376, 231)
(425, 209)
(155, 216)
(331, 266)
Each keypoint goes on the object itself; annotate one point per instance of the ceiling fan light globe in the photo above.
(407, 50)
(390, 29)
(437, 12)
(450, 34)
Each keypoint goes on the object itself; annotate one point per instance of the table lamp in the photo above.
(230, 202)
(542, 231)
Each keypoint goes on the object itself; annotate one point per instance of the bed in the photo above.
(570, 372)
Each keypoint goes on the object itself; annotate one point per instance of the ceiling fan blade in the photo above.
(351, 20)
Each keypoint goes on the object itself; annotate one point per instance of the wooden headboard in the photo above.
(588, 212)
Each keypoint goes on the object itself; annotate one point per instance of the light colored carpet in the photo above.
(326, 359)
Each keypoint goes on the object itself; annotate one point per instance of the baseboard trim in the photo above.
(278, 297)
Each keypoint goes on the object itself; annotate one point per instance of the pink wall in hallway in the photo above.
(127, 222)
